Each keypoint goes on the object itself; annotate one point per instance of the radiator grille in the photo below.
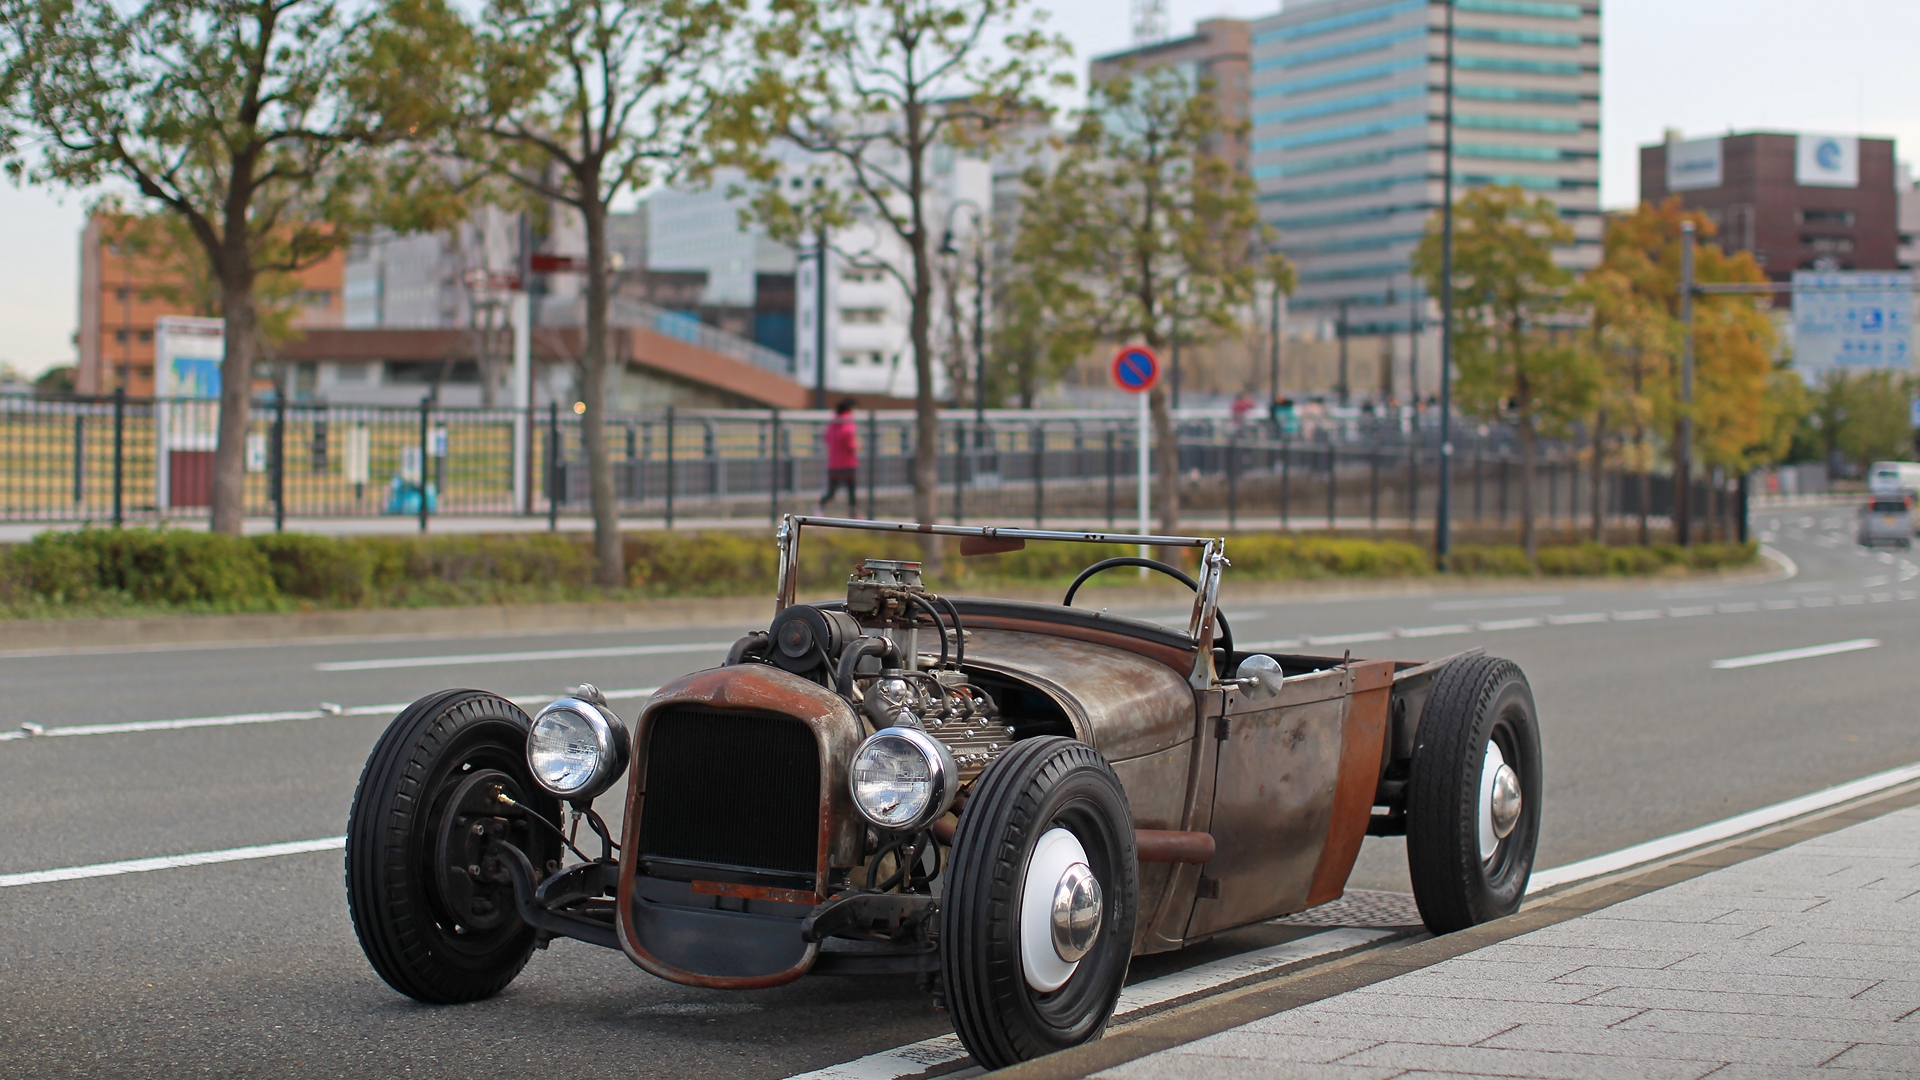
(739, 789)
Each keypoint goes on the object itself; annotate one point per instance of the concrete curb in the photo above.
(1213, 1015)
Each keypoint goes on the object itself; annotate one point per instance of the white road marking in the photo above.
(169, 862)
(520, 657)
(1723, 829)
(1435, 631)
(1733, 609)
(1636, 616)
(1576, 620)
(1509, 624)
(1806, 653)
(918, 1057)
(1349, 639)
(237, 719)
(1483, 605)
(1689, 612)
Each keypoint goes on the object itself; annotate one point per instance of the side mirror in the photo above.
(989, 545)
(1260, 677)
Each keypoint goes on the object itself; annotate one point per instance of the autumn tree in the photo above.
(1733, 339)
(866, 90)
(1145, 228)
(248, 120)
(1513, 348)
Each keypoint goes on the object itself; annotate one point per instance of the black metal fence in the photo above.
(117, 459)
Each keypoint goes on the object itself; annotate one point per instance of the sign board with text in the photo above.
(1851, 321)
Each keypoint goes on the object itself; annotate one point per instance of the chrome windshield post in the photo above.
(788, 539)
(1206, 600)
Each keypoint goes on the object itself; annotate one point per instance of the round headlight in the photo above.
(903, 778)
(576, 749)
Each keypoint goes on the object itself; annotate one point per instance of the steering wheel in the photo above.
(1224, 641)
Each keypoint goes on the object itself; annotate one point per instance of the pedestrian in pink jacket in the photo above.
(843, 456)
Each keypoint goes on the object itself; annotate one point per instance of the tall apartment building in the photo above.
(1216, 52)
(1348, 129)
(124, 291)
(1796, 201)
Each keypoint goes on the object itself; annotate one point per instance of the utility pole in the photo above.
(1443, 525)
(979, 328)
(1345, 390)
(1413, 353)
(1683, 436)
(1273, 346)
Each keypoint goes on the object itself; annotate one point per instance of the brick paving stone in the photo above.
(1801, 962)
(1686, 1046)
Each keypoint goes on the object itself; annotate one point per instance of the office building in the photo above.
(1348, 109)
(125, 287)
(1216, 54)
(1795, 201)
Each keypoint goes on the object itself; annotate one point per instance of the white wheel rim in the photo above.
(1489, 772)
(1057, 852)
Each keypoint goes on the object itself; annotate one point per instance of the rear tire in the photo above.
(1042, 797)
(1465, 871)
(432, 938)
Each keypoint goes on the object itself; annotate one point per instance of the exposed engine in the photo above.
(896, 652)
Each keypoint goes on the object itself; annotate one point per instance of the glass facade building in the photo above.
(1348, 110)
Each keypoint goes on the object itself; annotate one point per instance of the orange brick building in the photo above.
(119, 306)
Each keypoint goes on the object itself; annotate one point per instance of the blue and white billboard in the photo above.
(1851, 322)
(1827, 161)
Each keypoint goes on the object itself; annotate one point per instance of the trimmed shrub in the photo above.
(169, 567)
(321, 569)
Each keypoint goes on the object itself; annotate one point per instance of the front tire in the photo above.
(1046, 824)
(1470, 849)
(425, 808)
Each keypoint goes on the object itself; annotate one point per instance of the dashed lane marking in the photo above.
(170, 862)
(520, 657)
(1807, 653)
(239, 719)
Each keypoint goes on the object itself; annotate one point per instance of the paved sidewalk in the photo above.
(1802, 962)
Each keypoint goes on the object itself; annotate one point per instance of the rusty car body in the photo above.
(1010, 812)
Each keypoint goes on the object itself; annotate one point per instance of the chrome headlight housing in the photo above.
(577, 749)
(902, 779)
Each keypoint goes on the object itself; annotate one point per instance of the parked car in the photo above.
(1008, 799)
(1886, 521)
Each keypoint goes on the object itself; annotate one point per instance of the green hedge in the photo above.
(126, 571)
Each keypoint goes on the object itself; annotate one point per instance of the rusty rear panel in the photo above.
(1362, 742)
(748, 689)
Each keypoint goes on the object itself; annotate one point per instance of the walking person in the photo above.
(843, 457)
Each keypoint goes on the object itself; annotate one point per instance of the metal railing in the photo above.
(118, 459)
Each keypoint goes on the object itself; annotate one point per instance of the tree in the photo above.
(1507, 294)
(868, 89)
(577, 102)
(1141, 228)
(243, 118)
(1863, 416)
(1733, 339)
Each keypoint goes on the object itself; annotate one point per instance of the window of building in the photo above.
(1519, 123)
(1828, 245)
(1352, 103)
(1518, 67)
(1337, 23)
(1520, 7)
(119, 335)
(1326, 80)
(146, 335)
(1842, 218)
(1354, 47)
(1514, 93)
(1518, 37)
(869, 316)
(120, 293)
(1342, 133)
(351, 373)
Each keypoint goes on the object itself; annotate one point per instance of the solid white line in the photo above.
(1577, 620)
(1807, 653)
(1720, 830)
(1351, 639)
(918, 1057)
(518, 657)
(1434, 631)
(1509, 624)
(272, 717)
(169, 862)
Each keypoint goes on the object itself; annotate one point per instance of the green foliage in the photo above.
(55, 380)
(1862, 417)
(134, 571)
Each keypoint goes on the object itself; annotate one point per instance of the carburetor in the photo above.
(888, 596)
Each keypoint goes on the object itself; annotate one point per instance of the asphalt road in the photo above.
(251, 968)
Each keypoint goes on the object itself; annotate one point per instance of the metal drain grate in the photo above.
(1360, 907)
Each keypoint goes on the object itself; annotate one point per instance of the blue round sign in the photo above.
(1136, 369)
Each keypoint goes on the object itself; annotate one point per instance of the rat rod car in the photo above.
(1009, 800)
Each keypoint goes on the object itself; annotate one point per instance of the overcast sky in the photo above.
(1703, 66)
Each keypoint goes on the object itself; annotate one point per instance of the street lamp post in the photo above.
(1683, 440)
(1273, 351)
(1443, 525)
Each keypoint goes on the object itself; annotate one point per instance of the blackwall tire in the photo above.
(1038, 789)
(1479, 714)
(407, 923)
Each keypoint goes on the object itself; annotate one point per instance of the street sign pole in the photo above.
(1135, 370)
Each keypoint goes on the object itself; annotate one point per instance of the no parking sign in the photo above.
(1136, 369)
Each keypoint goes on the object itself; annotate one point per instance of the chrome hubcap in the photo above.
(1500, 801)
(1076, 912)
